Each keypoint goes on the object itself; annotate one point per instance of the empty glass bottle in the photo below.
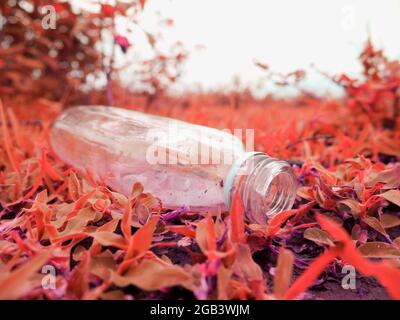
(181, 163)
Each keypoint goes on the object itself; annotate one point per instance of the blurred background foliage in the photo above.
(78, 56)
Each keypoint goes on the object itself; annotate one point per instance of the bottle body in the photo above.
(182, 164)
(123, 147)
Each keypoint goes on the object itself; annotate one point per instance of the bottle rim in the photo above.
(269, 188)
(232, 174)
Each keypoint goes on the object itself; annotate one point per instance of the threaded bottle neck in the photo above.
(266, 186)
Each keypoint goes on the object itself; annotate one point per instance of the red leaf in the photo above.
(388, 275)
(141, 240)
(211, 235)
(283, 274)
(79, 282)
(183, 230)
(126, 222)
(237, 220)
(276, 222)
(17, 283)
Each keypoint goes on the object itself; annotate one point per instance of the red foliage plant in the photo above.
(104, 245)
(61, 63)
(39, 62)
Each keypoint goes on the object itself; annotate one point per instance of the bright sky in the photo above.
(285, 34)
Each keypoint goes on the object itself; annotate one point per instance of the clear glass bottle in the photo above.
(181, 163)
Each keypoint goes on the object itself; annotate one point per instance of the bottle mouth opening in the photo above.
(280, 194)
(273, 190)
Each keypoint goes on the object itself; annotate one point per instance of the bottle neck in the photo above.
(265, 185)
